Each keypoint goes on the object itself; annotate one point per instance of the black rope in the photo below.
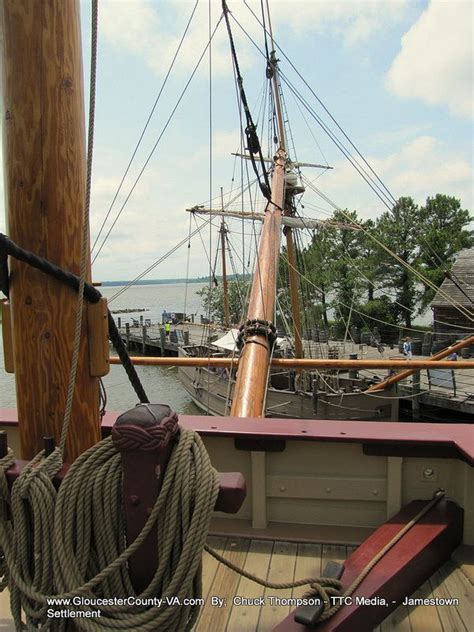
(253, 143)
(91, 294)
(256, 327)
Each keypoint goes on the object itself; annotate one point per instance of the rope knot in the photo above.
(146, 427)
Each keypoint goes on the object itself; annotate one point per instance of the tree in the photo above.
(400, 230)
(317, 261)
(444, 232)
(347, 253)
(213, 300)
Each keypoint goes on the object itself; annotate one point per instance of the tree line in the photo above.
(349, 274)
(352, 272)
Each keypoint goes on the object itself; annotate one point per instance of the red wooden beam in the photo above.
(423, 549)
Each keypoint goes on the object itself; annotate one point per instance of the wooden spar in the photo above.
(44, 155)
(286, 220)
(223, 232)
(298, 363)
(295, 299)
(252, 376)
(434, 362)
(251, 383)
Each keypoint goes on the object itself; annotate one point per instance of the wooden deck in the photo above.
(285, 561)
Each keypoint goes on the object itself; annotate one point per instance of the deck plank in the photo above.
(448, 582)
(282, 569)
(398, 621)
(224, 585)
(424, 618)
(308, 564)
(245, 618)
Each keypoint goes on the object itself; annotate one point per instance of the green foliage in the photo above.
(445, 232)
(347, 269)
(213, 300)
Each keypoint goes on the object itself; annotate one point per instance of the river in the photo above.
(161, 383)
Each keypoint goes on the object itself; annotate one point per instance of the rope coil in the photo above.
(88, 558)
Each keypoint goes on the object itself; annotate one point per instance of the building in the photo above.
(450, 323)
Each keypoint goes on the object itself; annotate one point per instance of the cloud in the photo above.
(422, 167)
(152, 30)
(350, 20)
(436, 57)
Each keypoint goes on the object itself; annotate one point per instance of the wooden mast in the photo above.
(252, 376)
(290, 246)
(44, 156)
(223, 232)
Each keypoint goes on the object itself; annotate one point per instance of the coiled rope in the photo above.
(88, 559)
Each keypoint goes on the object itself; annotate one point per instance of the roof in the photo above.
(463, 273)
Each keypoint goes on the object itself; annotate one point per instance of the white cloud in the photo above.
(436, 58)
(136, 26)
(422, 167)
(352, 21)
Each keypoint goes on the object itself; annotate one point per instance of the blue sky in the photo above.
(396, 75)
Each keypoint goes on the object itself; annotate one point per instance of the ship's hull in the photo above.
(212, 391)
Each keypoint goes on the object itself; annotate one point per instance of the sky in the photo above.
(396, 75)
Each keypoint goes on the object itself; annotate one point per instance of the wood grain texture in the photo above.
(251, 383)
(44, 145)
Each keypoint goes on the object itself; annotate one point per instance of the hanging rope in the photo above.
(253, 142)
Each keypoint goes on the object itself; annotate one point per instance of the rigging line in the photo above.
(384, 198)
(426, 243)
(405, 264)
(165, 80)
(71, 388)
(349, 259)
(158, 261)
(208, 254)
(352, 160)
(159, 137)
(359, 312)
(212, 272)
(253, 141)
(187, 267)
(324, 107)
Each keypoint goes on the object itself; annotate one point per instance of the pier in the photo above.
(438, 388)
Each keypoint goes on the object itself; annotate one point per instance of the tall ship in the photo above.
(243, 521)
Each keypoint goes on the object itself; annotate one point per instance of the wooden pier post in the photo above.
(119, 322)
(44, 160)
(127, 334)
(415, 401)
(143, 338)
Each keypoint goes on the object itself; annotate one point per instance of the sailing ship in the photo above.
(374, 486)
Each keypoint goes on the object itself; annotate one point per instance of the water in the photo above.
(161, 383)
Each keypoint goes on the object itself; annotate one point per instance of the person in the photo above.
(167, 328)
(407, 348)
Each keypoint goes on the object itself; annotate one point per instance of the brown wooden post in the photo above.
(251, 383)
(44, 155)
(295, 301)
(223, 232)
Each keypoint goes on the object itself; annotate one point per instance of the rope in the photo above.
(75, 546)
(91, 294)
(85, 234)
(326, 587)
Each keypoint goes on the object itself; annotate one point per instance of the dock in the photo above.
(437, 388)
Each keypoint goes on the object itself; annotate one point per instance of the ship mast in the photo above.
(44, 156)
(223, 233)
(252, 377)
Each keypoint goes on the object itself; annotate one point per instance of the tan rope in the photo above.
(327, 587)
(77, 544)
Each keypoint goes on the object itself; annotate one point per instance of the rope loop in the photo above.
(256, 327)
